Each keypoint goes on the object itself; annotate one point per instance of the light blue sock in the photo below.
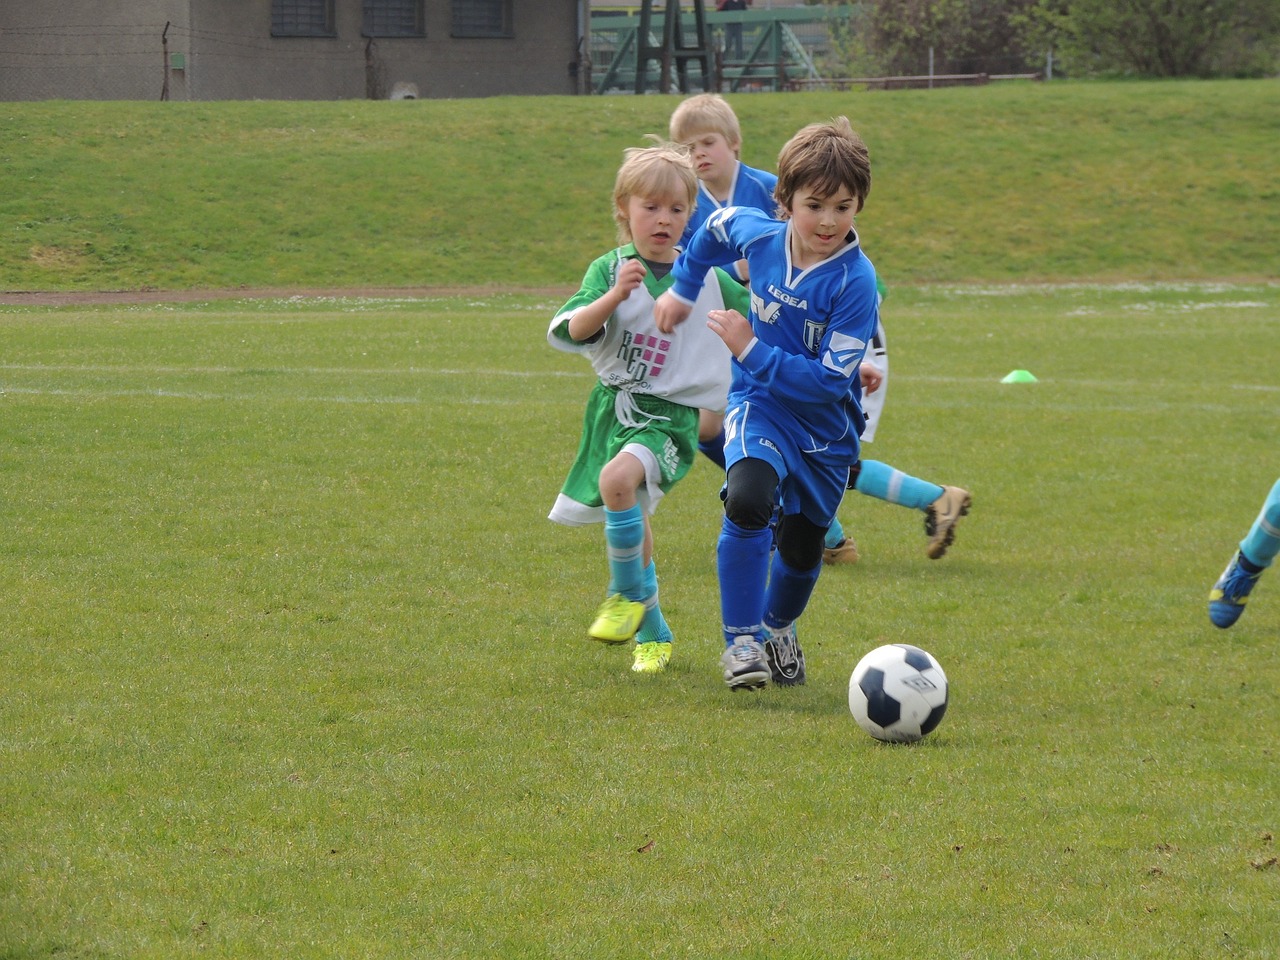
(742, 561)
(884, 482)
(1262, 542)
(835, 533)
(624, 545)
(654, 626)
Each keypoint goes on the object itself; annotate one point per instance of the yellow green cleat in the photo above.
(617, 620)
(651, 657)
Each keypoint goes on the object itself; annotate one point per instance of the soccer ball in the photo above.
(898, 693)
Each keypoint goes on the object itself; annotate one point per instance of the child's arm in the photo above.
(721, 240)
(590, 319)
(829, 376)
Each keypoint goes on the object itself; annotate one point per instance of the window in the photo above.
(392, 18)
(482, 18)
(302, 18)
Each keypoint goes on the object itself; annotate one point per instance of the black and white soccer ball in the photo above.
(898, 693)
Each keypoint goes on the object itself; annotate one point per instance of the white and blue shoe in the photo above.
(1231, 592)
(745, 665)
(786, 659)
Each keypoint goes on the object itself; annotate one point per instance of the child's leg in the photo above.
(837, 547)
(742, 553)
(742, 560)
(619, 617)
(879, 480)
(943, 506)
(1262, 542)
(795, 571)
(1256, 552)
(653, 642)
(711, 436)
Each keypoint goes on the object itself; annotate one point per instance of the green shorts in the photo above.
(660, 434)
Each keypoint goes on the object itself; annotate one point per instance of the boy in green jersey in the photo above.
(640, 430)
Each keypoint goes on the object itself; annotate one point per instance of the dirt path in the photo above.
(63, 298)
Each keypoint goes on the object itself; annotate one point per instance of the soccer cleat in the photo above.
(1230, 593)
(846, 551)
(617, 620)
(651, 657)
(745, 665)
(786, 659)
(941, 517)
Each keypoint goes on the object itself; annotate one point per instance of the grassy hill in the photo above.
(1008, 182)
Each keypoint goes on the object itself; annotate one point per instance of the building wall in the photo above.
(86, 50)
(223, 50)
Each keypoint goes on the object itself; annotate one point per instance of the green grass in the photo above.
(1013, 181)
(293, 663)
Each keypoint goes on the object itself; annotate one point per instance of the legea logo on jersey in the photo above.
(765, 312)
(643, 354)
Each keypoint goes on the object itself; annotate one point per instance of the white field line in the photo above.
(282, 371)
(243, 397)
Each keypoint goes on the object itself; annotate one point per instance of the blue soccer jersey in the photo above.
(751, 188)
(812, 327)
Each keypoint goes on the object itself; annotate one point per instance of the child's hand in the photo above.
(872, 377)
(630, 275)
(668, 312)
(731, 327)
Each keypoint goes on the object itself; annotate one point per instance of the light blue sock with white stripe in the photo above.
(654, 626)
(624, 545)
(887, 483)
(1262, 542)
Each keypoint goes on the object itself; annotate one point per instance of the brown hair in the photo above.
(824, 157)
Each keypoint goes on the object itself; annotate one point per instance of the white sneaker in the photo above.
(745, 665)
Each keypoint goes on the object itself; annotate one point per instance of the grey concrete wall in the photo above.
(104, 50)
(85, 50)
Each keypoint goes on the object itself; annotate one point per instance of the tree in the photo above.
(1158, 38)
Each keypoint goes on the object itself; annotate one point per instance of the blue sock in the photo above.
(789, 592)
(742, 560)
(713, 449)
(654, 626)
(624, 545)
(884, 482)
(1262, 542)
(835, 533)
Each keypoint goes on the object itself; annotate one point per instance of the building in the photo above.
(289, 49)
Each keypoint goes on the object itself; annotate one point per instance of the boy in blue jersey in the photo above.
(707, 125)
(793, 415)
(1257, 550)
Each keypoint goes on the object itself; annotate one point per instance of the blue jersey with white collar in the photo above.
(751, 188)
(812, 328)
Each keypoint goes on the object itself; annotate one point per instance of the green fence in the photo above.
(751, 49)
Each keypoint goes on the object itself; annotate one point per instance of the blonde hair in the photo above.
(824, 157)
(658, 171)
(706, 113)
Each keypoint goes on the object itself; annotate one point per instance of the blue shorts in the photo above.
(808, 483)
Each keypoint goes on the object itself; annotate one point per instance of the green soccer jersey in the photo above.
(689, 366)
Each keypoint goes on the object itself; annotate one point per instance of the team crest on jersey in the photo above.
(813, 333)
(643, 354)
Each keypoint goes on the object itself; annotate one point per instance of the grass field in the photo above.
(293, 665)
